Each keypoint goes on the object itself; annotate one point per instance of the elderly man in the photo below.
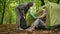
(21, 10)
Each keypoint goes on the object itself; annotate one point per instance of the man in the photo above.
(21, 10)
(40, 20)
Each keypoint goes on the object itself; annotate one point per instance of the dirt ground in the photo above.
(12, 29)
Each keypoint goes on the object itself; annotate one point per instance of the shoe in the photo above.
(20, 29)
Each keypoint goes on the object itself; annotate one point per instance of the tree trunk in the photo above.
(58, 2)
(10, 20)
(4, 6)
(42, 2)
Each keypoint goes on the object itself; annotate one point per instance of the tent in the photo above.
(53, 14)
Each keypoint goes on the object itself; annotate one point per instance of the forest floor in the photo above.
(12, 29)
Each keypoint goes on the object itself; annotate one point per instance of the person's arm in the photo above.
(43, 14)
(32, 15)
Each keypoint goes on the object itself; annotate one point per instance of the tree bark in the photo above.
(4, 6)
(10, 20)
(58, 2)
(42, 2)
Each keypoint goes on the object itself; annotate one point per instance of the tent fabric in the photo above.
(53, 14)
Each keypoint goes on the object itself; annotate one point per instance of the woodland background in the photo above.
(7, 9)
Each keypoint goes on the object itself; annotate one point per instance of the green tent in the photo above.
(52, 14)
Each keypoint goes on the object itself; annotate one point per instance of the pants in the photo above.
(21, 22)
(38, 22)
